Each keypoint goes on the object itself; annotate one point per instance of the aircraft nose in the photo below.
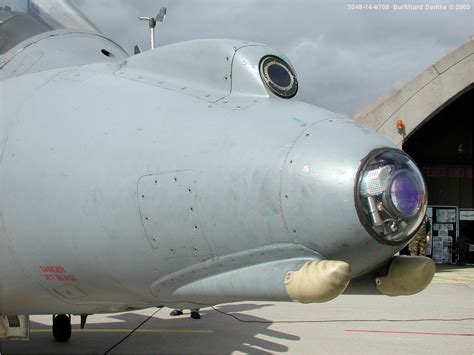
(318, 193)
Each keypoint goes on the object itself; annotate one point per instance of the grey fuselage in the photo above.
(123, 180)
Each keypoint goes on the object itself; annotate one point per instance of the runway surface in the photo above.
(440, 320)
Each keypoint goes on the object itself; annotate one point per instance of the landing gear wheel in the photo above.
(61, 328)
(195, 315)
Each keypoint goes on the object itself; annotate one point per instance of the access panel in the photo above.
(168, 209)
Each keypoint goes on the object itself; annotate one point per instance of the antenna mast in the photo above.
(152, 24)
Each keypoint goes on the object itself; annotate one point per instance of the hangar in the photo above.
(430, 117)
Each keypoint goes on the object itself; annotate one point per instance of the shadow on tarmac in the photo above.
(215, 332)
(221, 330)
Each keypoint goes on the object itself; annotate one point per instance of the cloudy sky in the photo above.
(345, 57)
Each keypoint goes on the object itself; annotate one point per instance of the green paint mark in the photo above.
(271, 212)
(301, 123)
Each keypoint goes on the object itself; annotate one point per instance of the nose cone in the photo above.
(317, 193)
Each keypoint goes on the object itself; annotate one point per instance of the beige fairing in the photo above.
(318, 281)
(407, 275)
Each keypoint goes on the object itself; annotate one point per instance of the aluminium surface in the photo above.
(439, 320)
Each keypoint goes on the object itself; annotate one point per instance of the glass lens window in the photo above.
(278, 76)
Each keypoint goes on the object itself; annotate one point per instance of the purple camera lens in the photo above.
(392, 196)
(406, 194)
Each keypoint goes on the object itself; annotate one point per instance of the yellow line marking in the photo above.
(453, 279)
(450, 282)
(455, 276)
(461, 281)
(120, 330)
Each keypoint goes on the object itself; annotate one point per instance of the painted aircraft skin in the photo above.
(178, 177)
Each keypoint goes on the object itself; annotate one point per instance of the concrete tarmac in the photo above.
(440, 320)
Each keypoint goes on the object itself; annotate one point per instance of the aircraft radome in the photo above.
(184, 176)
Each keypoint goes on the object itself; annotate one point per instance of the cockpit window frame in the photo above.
(25, 19)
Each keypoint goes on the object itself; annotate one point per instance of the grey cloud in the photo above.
(345, 59)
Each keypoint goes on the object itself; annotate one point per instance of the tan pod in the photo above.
(407, 275)
(318, 281)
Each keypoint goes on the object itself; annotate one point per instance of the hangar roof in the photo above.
(419, 99)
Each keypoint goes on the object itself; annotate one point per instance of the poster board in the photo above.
(465, 241)
(444, 225)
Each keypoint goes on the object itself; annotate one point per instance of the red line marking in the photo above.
(401, 332)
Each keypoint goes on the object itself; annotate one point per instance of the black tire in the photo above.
(61, 328)
(195, 315)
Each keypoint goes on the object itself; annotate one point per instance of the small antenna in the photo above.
(152, 24)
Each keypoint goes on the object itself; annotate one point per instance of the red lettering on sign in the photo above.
(52, 268)
(56, 273)
(455, 172)
(429, 171)
(69, 278)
